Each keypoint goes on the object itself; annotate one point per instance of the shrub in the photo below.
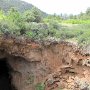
(40, 86)
(9, 27)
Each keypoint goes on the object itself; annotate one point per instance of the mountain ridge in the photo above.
(21, 6)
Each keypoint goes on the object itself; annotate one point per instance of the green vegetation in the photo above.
(76, 21)
(79, 33)
(40, 86)
(34, 24)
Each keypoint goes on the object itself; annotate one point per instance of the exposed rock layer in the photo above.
(56, 64)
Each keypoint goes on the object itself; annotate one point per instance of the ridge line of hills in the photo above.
(21, 6)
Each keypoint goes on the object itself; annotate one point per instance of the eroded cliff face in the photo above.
(55, 64)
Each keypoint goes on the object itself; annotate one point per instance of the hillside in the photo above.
(18, 4)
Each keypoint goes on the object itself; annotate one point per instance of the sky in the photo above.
(61, 6)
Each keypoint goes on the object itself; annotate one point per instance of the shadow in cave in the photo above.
(5, 77)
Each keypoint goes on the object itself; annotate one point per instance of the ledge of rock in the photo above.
(55, 64)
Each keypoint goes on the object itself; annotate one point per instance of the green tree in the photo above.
(14, 15)
(81, 15)
(2, 16)
(28, 16)
(37, 14)
(71, 16)
(88, 11)
(33, 15)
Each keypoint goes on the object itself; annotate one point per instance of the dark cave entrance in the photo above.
(5, 77)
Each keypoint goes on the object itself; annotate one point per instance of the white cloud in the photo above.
(61, 6)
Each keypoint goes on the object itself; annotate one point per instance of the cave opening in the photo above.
(5, 77)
